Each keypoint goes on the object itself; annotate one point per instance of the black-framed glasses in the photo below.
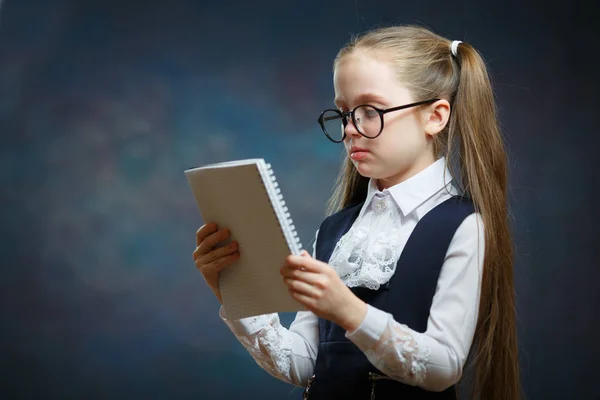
(367, 119)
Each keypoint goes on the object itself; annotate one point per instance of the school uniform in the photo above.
(414, 254)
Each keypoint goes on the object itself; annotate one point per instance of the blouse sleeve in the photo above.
(434, 359)
(287, 354)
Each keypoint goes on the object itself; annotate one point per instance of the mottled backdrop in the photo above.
(103, 104)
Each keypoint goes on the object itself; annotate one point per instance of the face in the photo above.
(404, 147)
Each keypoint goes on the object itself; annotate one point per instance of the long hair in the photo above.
(471, 142)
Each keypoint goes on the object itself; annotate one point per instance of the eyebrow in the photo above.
(365, 98)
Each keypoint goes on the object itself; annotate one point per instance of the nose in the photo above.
(350, 128)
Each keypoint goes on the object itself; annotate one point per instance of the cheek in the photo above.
(403, 136)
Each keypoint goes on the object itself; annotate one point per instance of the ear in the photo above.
(436, 117)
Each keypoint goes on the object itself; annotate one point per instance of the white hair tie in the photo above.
(454, 47)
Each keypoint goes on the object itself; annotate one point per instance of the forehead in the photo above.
(359, 75)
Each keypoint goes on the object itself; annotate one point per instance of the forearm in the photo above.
(402, 354)
(285, 354)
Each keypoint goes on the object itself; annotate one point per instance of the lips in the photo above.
(358, 153)
(355, 149)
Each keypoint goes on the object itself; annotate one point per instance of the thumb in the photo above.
(304, 253)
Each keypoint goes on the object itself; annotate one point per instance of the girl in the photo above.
(409, 274)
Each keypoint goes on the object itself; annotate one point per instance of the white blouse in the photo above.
(367, 256)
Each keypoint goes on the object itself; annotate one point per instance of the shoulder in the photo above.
(469, 221)
(445, 217)
(460, 204)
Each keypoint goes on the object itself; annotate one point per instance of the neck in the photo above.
(415, 168)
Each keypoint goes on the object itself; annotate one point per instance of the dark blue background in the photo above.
(103, 104)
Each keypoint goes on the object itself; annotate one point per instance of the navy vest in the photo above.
(342, 371)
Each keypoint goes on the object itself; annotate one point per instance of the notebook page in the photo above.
(234, 197)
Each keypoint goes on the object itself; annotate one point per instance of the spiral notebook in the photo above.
(244, 196)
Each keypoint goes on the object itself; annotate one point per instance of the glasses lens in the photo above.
(368, 121)
(333, 125)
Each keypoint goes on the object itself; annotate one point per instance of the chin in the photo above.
(364, 170)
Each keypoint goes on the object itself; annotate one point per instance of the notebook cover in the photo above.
(233, 196)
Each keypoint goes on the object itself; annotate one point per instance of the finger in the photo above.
(312, 278)
(302, 288)
(219, 264)
(211, 240)
(219, 253)
(306, 301)
(204, 231)
(305, 263)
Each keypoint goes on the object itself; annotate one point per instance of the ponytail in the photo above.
(482, 162)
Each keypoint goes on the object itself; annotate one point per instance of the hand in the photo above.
(210, 260)
(317, 286)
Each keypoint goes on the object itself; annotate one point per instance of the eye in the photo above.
(371, 113)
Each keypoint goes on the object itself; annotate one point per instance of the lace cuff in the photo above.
(393, 348)
(247, 326)
(267, 341)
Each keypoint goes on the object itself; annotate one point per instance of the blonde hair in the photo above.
(471, 140)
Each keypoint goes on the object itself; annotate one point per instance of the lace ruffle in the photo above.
(367, 254)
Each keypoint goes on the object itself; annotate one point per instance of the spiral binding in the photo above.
(281, 210)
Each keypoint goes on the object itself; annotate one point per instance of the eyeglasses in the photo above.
(367, 119)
